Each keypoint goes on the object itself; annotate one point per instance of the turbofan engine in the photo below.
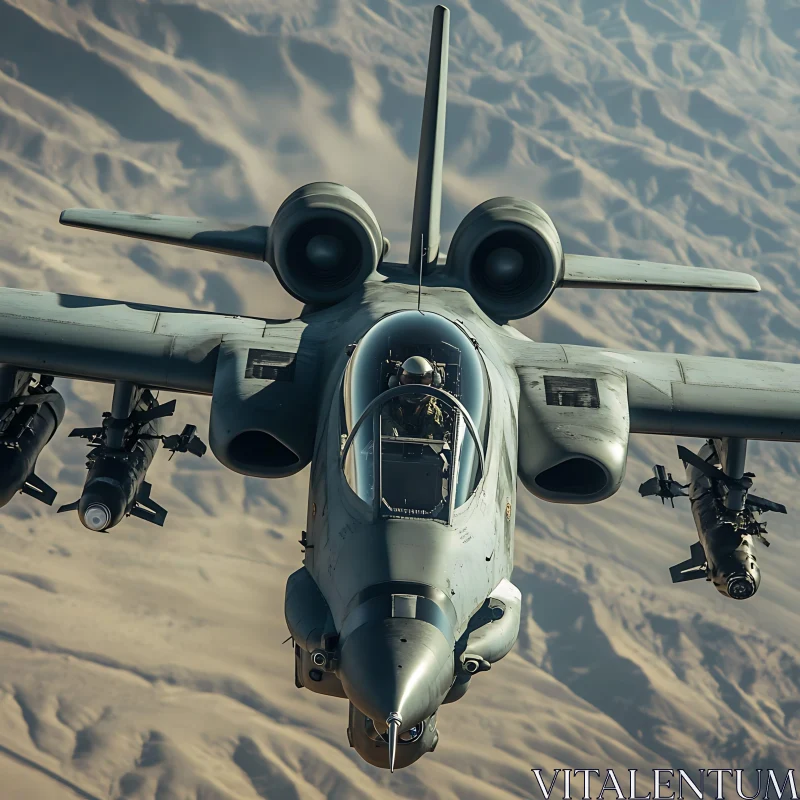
(324, 242)
(506, 252)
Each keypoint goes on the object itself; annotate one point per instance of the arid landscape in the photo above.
(150, 662)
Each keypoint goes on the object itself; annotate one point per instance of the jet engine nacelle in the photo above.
(324, 242)
(573, 433)
(263, 412)
(507, 253)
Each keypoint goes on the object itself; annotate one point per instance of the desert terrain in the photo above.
(151, 663)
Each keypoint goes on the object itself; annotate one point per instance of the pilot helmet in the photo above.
(417, 370)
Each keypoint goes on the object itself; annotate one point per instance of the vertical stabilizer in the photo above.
(428, 193)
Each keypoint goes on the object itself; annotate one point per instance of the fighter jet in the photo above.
(417, 406)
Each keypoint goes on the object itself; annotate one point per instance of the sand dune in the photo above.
(148, 663)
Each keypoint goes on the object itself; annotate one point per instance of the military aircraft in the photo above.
(417, 406)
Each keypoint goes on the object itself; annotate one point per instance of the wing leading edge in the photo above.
(597, 272)
(682, 395)
(245, 241)
(108, 340)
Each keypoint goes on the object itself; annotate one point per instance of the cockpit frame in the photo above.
(372, 411)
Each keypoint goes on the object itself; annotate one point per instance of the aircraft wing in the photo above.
(596, 272)
(682, 395)
(109, 340)
(245, 241)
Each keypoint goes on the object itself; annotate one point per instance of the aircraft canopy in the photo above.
(430, 435)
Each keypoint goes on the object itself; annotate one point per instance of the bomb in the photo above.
(122, 450)
(28, 421)
(726, 539)
(725, 513)
(115, 486)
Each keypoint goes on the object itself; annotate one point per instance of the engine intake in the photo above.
(507, 254)
(573, 433)
(263, 410)
(324, 242)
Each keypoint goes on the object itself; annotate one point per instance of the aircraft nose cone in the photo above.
(396, 666)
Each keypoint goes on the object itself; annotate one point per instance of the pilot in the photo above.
(412, 415)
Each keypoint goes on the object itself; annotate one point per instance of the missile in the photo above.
(725, 516)
(28, 421)
(115, 486)
(725, 538)
(663, 486)
(123, 449)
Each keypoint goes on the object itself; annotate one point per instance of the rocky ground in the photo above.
(148, 663)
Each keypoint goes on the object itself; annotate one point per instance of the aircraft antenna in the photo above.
(421, 272)
(428, 192)
(394, 721)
